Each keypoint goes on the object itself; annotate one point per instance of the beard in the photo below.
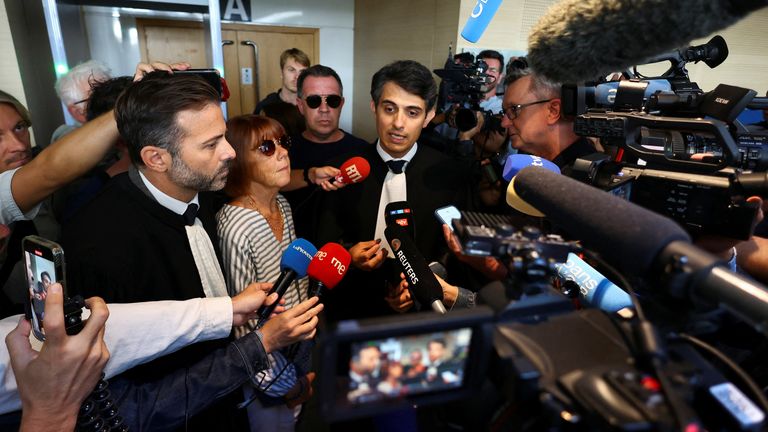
(182, 175)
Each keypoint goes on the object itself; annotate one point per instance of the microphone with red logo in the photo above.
(354, 170)
(400, 213)
(422, 283)
(327, 268)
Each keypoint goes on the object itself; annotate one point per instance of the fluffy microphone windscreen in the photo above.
(516, 162)
(581, 40)
(626, 235)
(329, 265)
(354, 170)
(297, 257)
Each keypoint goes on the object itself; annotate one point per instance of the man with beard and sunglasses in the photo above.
(151, 233)
(320, 100)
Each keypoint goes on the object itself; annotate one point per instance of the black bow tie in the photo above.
(396, 166)
(190, 214)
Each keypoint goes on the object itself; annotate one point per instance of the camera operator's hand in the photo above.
(295, 324)
(399, 297)
(55, 381)
(468, 135)
(490, 267)
(246, 304)
(145, 68)
(368, 255)
(450, 292)
(723, 246)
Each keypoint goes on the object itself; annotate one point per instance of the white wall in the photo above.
(10, 76)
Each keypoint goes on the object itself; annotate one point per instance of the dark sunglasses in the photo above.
(267, 147)
(314, 101)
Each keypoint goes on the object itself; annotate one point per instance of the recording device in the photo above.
(446, 215)
(576, 40)
(212, 77)
(591, 286)
(354, 170)
(464, 82)
(327, 268)
(369, 367)
(293, 265)
(423, 285)
(44, 266)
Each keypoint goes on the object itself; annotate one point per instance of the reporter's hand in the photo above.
(399, 297)
(145, 68)
(322, 177)
(368, 255)
(295, 324)
(247, 303)
(54, 382)
(450, 292)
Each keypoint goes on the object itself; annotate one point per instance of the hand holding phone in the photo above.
(447, 214)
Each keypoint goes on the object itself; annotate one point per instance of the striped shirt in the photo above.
(251, 253)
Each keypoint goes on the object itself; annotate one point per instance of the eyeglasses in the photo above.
(314, 101)
(268, 147)
(513, 111)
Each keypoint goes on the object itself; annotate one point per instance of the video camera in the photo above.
(463, 82)
(681, 151)
(555, 368)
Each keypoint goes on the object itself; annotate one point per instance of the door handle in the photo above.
(255, 64)
(226, 42)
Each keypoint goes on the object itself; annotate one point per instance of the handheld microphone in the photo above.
(293, 265)
(516, 162)
(400, 213)
(422, 282)
(327, 268)
(594, 288)
(580, 40)
(354, 170)
(479, 19)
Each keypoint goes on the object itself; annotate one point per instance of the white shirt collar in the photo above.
(386, 157)
(172, 204)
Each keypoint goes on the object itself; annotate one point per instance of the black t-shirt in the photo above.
(308, 154)
(287, 114)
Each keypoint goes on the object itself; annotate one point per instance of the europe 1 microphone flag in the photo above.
(328, 268)
(293, 265)
(422, 283)
(354, 170)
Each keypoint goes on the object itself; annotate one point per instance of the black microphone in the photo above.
(400, 213)
(580, 40)
(640, 242)
(422, 282)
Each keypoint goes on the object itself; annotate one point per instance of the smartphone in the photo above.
(44, 263)
(447, 214)
(209, 75)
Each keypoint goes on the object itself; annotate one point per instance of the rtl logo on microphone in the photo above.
(353, 174)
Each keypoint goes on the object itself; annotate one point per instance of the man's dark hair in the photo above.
(104, 94)
(440, 341)
(492, 54)
(409, 75)
(146, 111)
(317, 71)
(45, 274)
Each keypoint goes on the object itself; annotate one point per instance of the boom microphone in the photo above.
(354, 170)
(327, 268)
(640, 242)
(422, 282)
(293, 265)
(580, 40)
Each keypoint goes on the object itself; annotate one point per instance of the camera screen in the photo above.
(402, 366)
(41, 273)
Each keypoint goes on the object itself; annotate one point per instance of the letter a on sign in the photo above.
(236, 10)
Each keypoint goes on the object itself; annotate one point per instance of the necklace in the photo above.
(274, 220)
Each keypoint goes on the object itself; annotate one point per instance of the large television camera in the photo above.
(677, 150)
(556, 368)
(463, 84)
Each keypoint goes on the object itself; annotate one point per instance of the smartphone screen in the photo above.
(447, 214)
(44, 262)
